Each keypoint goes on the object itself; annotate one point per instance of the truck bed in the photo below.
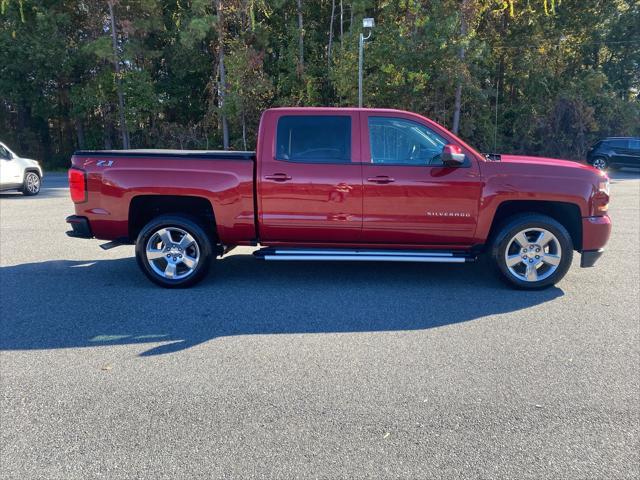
(123, 187)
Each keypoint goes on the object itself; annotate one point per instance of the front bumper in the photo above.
(595, 234)
(80, 227)
(588, 258)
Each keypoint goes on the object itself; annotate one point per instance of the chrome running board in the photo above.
(362, 255)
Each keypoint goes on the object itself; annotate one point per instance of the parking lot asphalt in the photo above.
(299, 370)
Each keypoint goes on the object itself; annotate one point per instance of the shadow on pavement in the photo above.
(63, 304)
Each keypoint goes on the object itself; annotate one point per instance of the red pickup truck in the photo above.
(343, 184)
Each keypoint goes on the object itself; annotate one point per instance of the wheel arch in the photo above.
(567, 214)
(144, 208)
(30, 170)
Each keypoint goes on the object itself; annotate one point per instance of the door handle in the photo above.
(382, 179)
(278, 177)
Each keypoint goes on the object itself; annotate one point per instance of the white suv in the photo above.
(18, 173)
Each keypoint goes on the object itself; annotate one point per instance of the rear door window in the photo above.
(314, 139)
(618, 143)
(634, 145)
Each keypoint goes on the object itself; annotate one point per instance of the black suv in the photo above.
(615, 152)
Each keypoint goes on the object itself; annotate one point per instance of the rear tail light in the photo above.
(78, 185)
(600, 200)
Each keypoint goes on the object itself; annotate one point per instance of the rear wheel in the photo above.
(174, 251)
(600, 163)
(31, 184)
(532, 251)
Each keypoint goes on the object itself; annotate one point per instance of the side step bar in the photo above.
(310, 254)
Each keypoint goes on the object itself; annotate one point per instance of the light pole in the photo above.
(366, 23)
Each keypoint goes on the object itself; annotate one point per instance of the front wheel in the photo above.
(532, 251)
(174, 251)
(31, 184)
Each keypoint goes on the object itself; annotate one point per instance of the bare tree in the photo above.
(300, 40)
(351, 18)
(222, 76)
(333, 13)
(341, 24)
(458, 95)
(116, 63)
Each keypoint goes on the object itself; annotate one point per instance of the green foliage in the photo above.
(560, 73)
(250, 91)
(100, 47)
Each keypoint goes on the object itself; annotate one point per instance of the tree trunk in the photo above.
(458, 96)
(23, 124)
(300, 40)
(341, 26)
(80, 133)
(456, 108)
(123, 124)
(244, 130)
(107, 132)
(222, 88)
(333, 13)
(222, 76)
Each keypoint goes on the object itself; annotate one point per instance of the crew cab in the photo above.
(343, 184)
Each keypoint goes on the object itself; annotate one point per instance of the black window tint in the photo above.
(4, 153)
(314, 139)
(618, 143)
(403, 142)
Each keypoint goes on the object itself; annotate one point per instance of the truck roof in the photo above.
(336, 109)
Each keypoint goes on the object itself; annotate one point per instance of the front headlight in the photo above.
(603, 186)
(600, 199)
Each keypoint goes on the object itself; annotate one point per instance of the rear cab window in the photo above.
(314, 139)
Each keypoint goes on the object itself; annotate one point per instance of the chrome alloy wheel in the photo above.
(172, 253)
(32, 182)
(600, 163)
(533, 254)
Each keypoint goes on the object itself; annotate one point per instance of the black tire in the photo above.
(31, 183)
(505, 238)
(600, 163)
(176, 224)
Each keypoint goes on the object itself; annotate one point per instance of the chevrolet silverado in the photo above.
(343, 184)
